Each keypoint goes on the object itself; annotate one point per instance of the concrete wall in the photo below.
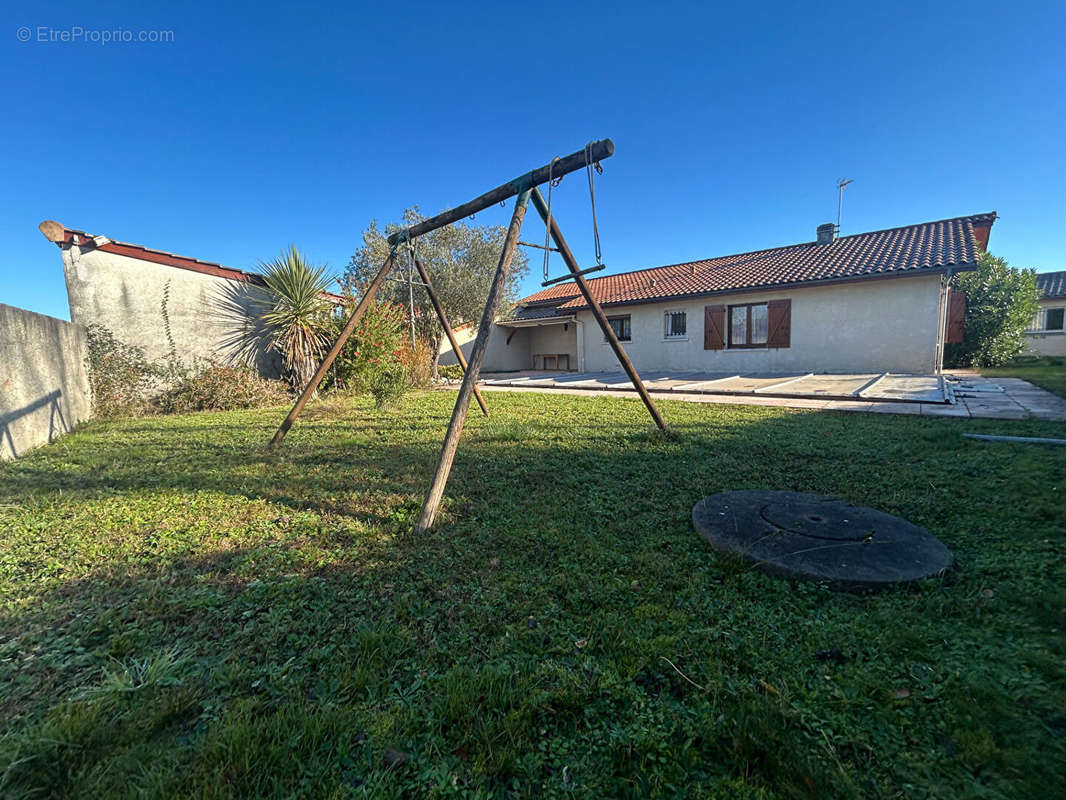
(499, 356)
(1052, 343)
(126, 295)
(867, 326)
(465, 337)
(44, 385)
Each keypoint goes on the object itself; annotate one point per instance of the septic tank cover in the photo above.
(818, 538)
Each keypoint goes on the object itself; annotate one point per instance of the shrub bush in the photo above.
(121, 376)
(221, 388)
(1000, 304)
(420, 365)
(126, 383)
(451, 372)
(376, 360)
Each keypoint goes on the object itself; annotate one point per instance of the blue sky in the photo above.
(258, 126)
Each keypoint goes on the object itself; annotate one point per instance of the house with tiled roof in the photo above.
(1046, 335)
(869, 302)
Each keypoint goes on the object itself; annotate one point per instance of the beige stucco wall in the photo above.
(499, 355)
(867, 326)
(126, 295)
(1052, 343)
(553, 340)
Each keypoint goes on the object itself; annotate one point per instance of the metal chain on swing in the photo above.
(592, 199)
(552, 183)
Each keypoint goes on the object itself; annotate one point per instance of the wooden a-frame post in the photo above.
(594, 306)
(331, 356)
(477, 356)
(443, 317)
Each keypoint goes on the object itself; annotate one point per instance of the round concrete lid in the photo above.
(817, 538)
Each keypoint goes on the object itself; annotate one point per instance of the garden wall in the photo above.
(44, 384)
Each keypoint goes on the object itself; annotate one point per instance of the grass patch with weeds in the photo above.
(186, 613)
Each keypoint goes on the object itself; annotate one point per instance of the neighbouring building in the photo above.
(157, 300)
(1046, 335)
(869, 302)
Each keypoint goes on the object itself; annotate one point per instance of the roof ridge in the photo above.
(148, 249)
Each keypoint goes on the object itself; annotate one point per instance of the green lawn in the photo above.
(184, 614)
(1047, 372)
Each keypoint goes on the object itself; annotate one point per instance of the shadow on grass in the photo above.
(292, 643)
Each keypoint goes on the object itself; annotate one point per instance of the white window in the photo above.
(675, 325)
(1048, 319)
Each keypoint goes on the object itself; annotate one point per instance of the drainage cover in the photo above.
(817, 538)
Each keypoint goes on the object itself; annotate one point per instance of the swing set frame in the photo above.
(525, 188)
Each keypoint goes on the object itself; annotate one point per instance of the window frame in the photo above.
(747, 327)
(629, 320)
(1062, 321)
(667, 315)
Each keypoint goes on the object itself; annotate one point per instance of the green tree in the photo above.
(294, 313)
(1000, 303)
(461, 261)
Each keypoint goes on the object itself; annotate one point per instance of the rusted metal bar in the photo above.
(443, 317)
(597, 311)
(592, 153)
(320, 373)
(477, 356)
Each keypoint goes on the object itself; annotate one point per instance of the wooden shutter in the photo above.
(779, 323)
(713, 327)
(956, 316)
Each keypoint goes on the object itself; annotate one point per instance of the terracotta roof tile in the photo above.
(925, 247)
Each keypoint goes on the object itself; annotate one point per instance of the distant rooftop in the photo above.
(1052, 284)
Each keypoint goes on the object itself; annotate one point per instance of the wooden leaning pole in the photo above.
(525, 189)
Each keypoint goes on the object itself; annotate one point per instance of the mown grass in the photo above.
(1046, 371)
(186, 614)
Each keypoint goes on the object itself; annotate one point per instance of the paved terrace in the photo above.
(956, 394)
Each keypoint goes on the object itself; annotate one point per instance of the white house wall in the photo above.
(499, 356)
(1050, 343)
(552, 340)
(126, 295)
(885, 325)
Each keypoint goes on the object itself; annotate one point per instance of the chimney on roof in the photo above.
(827, 233)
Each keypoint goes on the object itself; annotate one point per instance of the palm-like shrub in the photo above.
(295, 313)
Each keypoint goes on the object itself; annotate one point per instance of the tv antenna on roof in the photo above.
(842, 184)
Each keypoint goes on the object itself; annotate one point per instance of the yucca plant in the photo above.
(295, 313)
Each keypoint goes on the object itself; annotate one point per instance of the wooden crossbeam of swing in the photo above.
(592, 153)
(571, 275)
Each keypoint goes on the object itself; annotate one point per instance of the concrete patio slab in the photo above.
(891, 394)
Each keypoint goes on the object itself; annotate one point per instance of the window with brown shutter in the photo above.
(748, 325)
(780, 323)
(713, 327)
(956, 316)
